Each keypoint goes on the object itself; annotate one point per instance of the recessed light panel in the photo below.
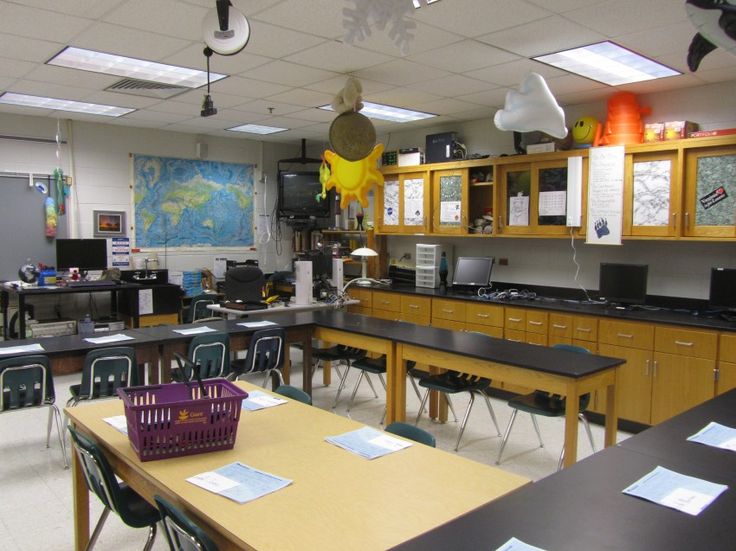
(257, 129)
(388, 112)
(417, 5)
(110, 64)
(24, 100)
(608, 63)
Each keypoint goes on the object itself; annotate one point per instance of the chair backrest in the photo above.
(294, 393)
(244, 283)
(585, 398)
(181, 533)
(412, 433)
(25, 381)
(107, 369)
(198, 308)
(266, 350)
(212, 351)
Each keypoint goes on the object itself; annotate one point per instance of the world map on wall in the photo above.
(189, 203)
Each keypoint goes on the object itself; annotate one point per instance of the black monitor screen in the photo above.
(298, 193)
(623, 283)
(723, 288)
(85, 254)
(472, 270)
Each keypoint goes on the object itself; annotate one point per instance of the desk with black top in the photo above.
(583, 508)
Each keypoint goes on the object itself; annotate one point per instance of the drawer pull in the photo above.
(558, 326)
(535, 344)
(583, 329)
(448, 311)
(535, 322)
(625, 335)
(515, 320)
(416, 307)
(385, 302)
(646, 368)
(654, 368)
(514, 340)
(683, 343)
(483, 316)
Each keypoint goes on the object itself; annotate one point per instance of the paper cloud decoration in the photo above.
(533, 107)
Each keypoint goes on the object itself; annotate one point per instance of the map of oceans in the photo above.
(190, 203)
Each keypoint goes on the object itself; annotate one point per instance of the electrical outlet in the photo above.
(503, 261)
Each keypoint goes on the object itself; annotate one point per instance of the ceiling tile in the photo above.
(424, 38)
(464, 56)
(319, 18)
(122, 100)
(193, 56)
(572, 83)
(14, 68)
(27, 49)
(90, 9)
(248, 88)
(195, 97)
(338, 57)
(116, 39)
(136, 123)
(627, 16)
(401, 72)
(511, 74)
(562, 6)
(35, 88)
(277, 42)
(289, 74)
(492, 98)
(335, 84)
(154, 116)
(71, 77)
(314, 115)
(263, 106)
(24, 21)
(403, 97)
(301, 96)
(451, 86)
(444, 106)
(167, 17)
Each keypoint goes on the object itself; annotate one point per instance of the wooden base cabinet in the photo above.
(679, 383)
(633, 383)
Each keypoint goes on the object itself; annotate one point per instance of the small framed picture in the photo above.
(109, 223)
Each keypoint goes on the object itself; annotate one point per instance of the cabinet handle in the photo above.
(385, 302)
(514, 340)
(558, 326)
(625, 335)
(416, 307)
(716, 374)
(535, 322)
(482, 315)
(654, 368)
(687, 220)
(515, 320)
(583, 329)
(683, 343)
(447, 311)
(646, 368)
(535, 344)
(674, 219)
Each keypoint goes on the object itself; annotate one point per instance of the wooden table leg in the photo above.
(286, 369)
(81, 504)
(572, 401)
(307, 360)
(395, 385)
(327, 373)
(609, 438)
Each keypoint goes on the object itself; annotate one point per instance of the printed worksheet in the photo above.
(239, 482)
(367, 442)
(716, 435)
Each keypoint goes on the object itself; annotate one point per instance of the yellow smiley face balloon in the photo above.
(353, 179)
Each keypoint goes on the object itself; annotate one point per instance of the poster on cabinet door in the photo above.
(605, 195)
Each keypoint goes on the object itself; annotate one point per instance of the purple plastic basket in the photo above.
(171, 420)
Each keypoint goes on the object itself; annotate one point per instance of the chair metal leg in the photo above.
(506, 434)
(54, 414)
(421, 407)
(370, 384)
(450, 406)
(536, 428)
(355, 388)
(493, 414)
(465, 420)
(584, 420)
(98, 529)
(151, 537)
(343, 380)
(416, 388)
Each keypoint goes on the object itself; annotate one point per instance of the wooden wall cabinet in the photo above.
(403, 203)
(652, 194)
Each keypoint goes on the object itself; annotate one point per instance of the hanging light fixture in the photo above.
(208, 106)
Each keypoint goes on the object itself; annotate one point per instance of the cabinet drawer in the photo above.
(727, 348)
(385, 314)
(515, 318)
(387, 301)
(685, 342)
(585, 328)
(360, 310)
(514, 335)
(415, 319)
(487, 329)
(484, 314)
(536, 338)
(536, 322)
(560, 326)
(416, 306)
(628, 334)
(448, 324)
(448, 309)
(365, 296)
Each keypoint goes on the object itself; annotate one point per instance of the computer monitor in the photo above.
(85, 254)
(472, 271)
(623, 283)
(723, 288)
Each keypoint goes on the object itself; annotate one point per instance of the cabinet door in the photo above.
(711, 192)
(450, 200)
(388, 196)
(652, 197)
(550, 201)
(726, 377)
(516, 189)
(414, 203)
(680, 383)
(633, 383)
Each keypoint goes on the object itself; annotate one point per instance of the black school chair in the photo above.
(198, 311)
(27, 382)
(547, 405)
(211, 351)
(265, 355)
(182, 533)
(340, 353)
(104, 371)
(116, 496)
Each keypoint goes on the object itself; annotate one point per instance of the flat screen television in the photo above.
(297, 196)
(623, 283)
(472, 271)
(723, 288)
(85, 254)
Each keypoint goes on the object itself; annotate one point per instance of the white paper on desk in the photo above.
(517, 545)
(367, 442)
(118, 422)
(239, 482)
(678, 491)
(260, 400)
(21, 349)
(145, 302)
(253, 324)
(194, 330)
(716, 435)
(109, 338)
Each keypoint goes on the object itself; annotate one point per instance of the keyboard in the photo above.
(92, 283)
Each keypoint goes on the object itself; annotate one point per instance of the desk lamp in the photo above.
(363, 280)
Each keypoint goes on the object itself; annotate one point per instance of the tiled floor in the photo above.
(36, 503)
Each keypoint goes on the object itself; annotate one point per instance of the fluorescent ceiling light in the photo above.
(110, 64)
(608, 63)
(257, 129)
(64, 105)
(417, 5)
(388, 113)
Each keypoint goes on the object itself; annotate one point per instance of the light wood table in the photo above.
(338, 500)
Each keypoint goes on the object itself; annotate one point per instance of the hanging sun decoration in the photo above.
(353, 179)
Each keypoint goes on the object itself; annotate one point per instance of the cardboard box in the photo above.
(709, 133)
(677, 130)
(653, 132)
(540, 147)
(411, 156)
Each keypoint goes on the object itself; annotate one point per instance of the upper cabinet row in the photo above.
(684, 188)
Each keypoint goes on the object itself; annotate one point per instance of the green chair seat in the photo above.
(412, 433)
(294, 393)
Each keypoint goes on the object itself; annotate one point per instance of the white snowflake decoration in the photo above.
(378, 13)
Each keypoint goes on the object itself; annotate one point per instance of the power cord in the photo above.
(577, 265)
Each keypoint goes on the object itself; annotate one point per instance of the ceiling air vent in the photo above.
(146, 88)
